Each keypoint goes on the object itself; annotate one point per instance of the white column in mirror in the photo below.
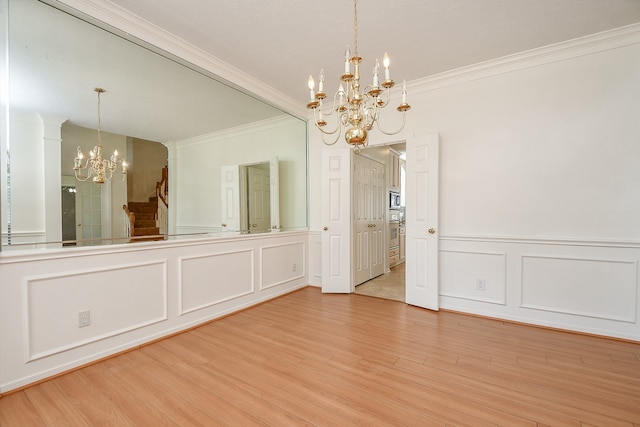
(172, 163)
(51, 148)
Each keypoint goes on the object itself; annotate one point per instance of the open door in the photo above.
(421, 182)
(259, 198)
(336, 220)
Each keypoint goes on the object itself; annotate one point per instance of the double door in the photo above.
(369, 208)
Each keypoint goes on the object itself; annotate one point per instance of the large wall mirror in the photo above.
(187, 136)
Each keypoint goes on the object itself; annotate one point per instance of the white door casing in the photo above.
(274, 179)
(421, 180)
(336, 220)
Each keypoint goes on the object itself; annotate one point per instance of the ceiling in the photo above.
(281, 42)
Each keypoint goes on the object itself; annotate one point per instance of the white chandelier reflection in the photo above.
(355, 108)
(101, 170)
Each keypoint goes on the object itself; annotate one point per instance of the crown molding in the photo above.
(248, 129)
(123, 20)
(594, 43)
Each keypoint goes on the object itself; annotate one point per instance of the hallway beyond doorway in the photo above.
(389, 285)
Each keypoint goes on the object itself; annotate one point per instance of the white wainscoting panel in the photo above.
(315, 259)
(600, 288)
(206, 280)
(120, 298)
(282, 263)
(460, 272)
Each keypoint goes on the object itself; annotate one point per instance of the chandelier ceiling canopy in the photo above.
(355, 107)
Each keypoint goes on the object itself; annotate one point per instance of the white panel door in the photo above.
(336, 221)
(88, 213)
(369, 207)
(421, 182)
(362, 224)
(230, 197)
(378, 211)
(259, 191)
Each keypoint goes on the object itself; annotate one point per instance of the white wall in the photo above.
(27, 179)
(539, 168)
(198, 163)
(145, 168)
(135, 293)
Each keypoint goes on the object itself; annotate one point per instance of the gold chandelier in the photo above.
(101, 170)
(355, 108)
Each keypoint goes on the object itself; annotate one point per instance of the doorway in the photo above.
(391, 284)
(68, 199)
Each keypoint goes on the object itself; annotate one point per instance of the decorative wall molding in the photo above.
(581, 46)
(24, 237)
(608, 287)
(201, 285)
(248, 129)
(276, 263)
(63, 335)
(529, 240)
(315, 258)
(10, 257)
(459, 282)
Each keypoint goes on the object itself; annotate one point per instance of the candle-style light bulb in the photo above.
(404, 91)
(311, 84)
(124, 167)
(347, 56)
(321, 82)
(376, 70)
(386, 61)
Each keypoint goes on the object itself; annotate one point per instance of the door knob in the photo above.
(432, 231)
(325, 228)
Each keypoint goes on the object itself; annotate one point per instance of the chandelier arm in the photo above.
(315, 117)
(79, 176)
(384, 103)
(329, 143)
(404, 120)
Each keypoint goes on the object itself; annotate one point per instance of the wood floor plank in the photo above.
(17, 410)
(310, 358)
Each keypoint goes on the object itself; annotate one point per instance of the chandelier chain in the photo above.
(99, 90)
(355, 26)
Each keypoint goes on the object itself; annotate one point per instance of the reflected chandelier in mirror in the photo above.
(101, 170)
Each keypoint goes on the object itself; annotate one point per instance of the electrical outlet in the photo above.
(84, 319)
(295, 267)
(480, 284)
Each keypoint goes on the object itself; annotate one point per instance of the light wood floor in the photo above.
(340, 360)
